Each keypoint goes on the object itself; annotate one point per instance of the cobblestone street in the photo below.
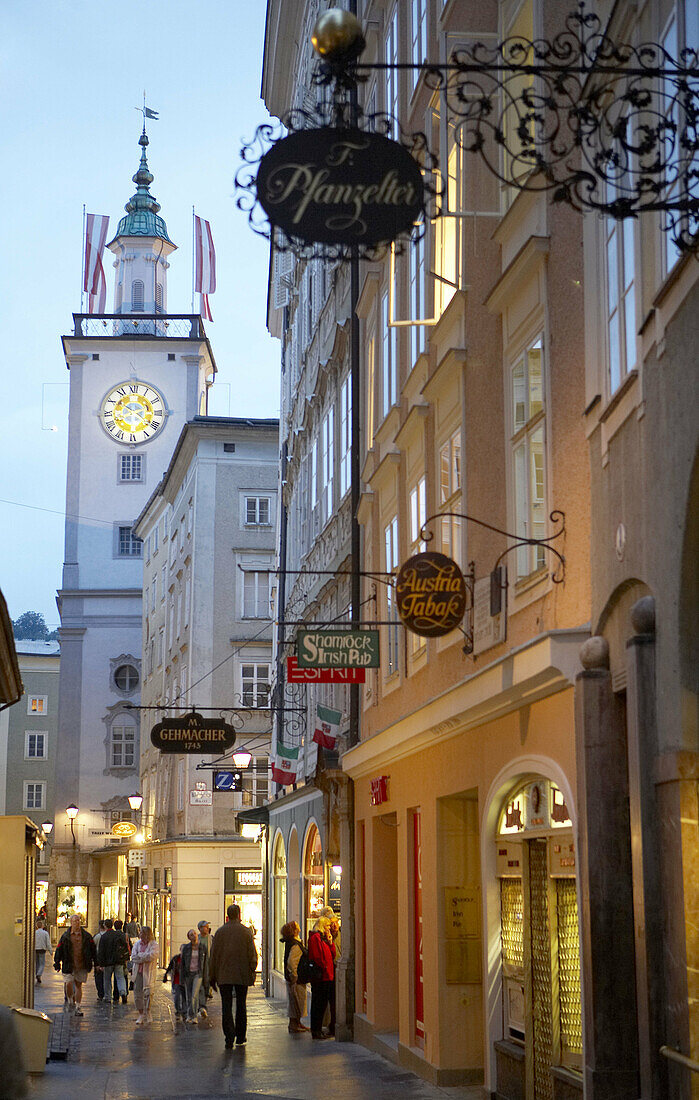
(111, 1058)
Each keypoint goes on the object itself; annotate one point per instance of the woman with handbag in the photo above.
(144, 959)
(294, 951)
(321, 952)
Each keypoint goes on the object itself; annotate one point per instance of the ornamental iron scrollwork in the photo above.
(336, 114)
(603, 126)
(556, 517)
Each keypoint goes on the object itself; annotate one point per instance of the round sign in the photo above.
(340, 186)
(430, 594)
(124, 828)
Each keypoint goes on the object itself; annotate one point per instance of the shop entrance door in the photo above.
(250, 915)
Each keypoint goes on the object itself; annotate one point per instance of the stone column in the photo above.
(604, 861)
(647, 895)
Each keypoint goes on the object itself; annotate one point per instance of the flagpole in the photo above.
(194, 251)
(82, 281)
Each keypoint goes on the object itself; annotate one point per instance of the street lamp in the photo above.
(47, 826)
(242, 759)
(72, 811)
(135, 801)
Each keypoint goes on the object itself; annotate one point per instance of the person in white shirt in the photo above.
(42, 944)
(144, 959)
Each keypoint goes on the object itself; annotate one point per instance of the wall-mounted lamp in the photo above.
(135, 801)
(47, 826)
(337, 869)
(242, 759)
(72, 811)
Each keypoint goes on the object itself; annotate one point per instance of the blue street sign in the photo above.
(223, 781)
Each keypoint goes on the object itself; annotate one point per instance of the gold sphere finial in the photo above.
(337, 36)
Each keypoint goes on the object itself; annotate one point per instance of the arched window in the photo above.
(158, 297)
(279, 872)
(314, 878)
(137, 296)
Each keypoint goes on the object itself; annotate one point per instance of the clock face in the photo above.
(133, 412)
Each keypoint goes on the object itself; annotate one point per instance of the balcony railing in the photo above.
(130, 325)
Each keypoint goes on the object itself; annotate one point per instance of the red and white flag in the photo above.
(205, 264)
(94, 282)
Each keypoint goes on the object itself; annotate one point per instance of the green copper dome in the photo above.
(142, 208)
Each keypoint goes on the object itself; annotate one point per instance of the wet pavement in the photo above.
(112, 1059)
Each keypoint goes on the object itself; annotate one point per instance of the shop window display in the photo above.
(70, 900)
(313, 877)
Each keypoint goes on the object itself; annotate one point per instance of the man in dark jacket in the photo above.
(233, 965)
(112, 953)
(75, 955)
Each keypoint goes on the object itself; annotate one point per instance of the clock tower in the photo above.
(136, 376)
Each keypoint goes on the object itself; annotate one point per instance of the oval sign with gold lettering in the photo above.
(340, 186)
(124, 828)
(430, 594)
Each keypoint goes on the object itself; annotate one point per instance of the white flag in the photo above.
(94, 281)
(204, 264)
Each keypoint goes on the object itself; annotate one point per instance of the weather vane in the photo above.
(147, 112)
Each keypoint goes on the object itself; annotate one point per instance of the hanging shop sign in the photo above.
(136, 857)
(192, 733)
(337, 649)
(296, 675)
(124, 828)
(340, 186)
(379, 790)
(430, 594)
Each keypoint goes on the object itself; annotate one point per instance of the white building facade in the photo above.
(136, 376)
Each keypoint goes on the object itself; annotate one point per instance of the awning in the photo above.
(256, 815)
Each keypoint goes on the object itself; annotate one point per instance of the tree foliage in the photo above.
(31, 626)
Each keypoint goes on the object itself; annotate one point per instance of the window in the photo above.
(137, 296)
(391, 56)
(391, 559)
(517, 123)
(417, 297)
(153, 591)
(256, 594)
(128, 546)
(255, 685)
(123, 746)
(370, 389)
(180, 785)
(327, 463)
(163, 583)
(148, 548)
(161, 645)
(35, 745)
(126, 678)
(257, 512)
(417, 516)
(255, 786)
(37, 704)
(345, 435)
(681, 33)
(621, 306)
(229, 448)
(155, 539)
(446, 233)
(151, 657)
(389, 359)
(418, 29)
(130, 467)
(450, 495)
(527, 389)
(34, 796)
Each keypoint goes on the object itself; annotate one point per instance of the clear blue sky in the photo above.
(71, 72)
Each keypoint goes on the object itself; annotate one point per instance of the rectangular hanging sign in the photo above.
(337, 649)
(296, 675)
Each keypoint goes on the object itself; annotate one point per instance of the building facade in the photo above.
(209, 533)
(29, 746)
(136, 376)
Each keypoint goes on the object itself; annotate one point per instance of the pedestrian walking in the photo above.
(294, 951)
(120, 968)
(144, 958)
(205, 938)
(193, 964)
(174, 972)
(233, 967)
(111, 952)
(131, 927)
(321, 952)
(42, 944)
(99, 975)
(75, 955)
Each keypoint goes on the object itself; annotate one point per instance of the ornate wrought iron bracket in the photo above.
(604, 126)
(557, 517)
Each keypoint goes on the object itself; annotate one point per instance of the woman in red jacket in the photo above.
(321, 952)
